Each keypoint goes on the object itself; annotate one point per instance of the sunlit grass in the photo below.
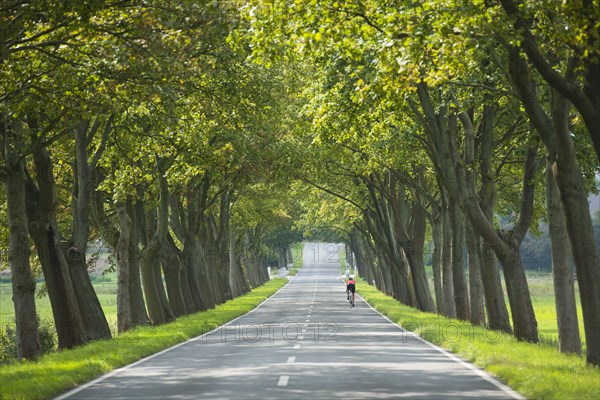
(60, 371)
(541, 289)
(105, 290)
(536, 371)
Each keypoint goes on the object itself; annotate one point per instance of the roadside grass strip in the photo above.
(57, 372)
(537, 371)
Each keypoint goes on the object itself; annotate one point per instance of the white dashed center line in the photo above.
(283, 380)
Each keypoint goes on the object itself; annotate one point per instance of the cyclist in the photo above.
(351, 288)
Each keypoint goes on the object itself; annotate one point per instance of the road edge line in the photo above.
(151, 356)
(470, 366)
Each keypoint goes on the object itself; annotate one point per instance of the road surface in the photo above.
(305, 342)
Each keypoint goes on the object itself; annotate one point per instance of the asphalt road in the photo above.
(305, 342)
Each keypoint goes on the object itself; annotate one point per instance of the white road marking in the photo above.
(291, 360)
(283, 380)
(297, 346)
(483, 374)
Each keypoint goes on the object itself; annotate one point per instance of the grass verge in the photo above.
(58, 372)
(537, 371)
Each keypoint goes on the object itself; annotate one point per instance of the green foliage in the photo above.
(8, 345)
(58, 372)
(8, 340)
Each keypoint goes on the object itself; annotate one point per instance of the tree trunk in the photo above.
(162, 294)
(289, 256)
(436, 262)
(251, 258)
(475, 283)
(440, 125)
(23, 283)
(172, 270)
(185, 284)
(585, 253)
(569, 340)
(67, 318)
(282, 256)
(41, 203)
(382, 223)
(523, 316)
(414, 252)
(495, 304)
(224, 262)
(359, 260)
(124, 313)
(461, 295)
(211, 266)
(136, 296)
(569, 179)
(159, 309)
(411, 242)
(396, 269)
(149, 284)
(92, 313)
(206, 277)
(237, 279)
(192, 254)
(448, 287)
(497, 312)
(506, 244)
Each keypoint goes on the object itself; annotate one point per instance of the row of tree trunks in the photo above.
(506, 243)
(496, 310)
(77, 311)
(569, 340)
(452, 229)
(76, 248)
(41, 214)
(441, 129)
(206, 271)
(560, 154)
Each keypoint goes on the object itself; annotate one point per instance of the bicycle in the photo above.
(351, 298)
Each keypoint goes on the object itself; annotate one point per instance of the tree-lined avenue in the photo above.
(304, 342)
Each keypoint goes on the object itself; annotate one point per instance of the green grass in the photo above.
(541, 289)
(105, 287)
(542, 297)
(297, 258)
(536, 371)
(60, 371)
(298, 254)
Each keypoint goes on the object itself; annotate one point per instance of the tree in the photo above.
(28, 345)
(578, 42)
